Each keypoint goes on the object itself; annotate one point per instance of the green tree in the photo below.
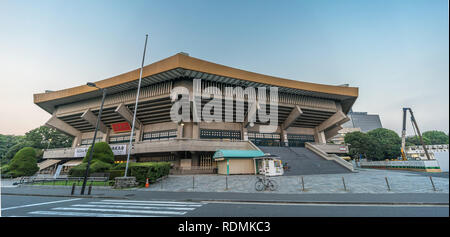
(389, 142)
(363, 144)
(7, 141)
(44, 137)
(415, 141)
(14, 149)
(24, 163)
(436, 137)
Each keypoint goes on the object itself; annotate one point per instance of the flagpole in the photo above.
(135, 108)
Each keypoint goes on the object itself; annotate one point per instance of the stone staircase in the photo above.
(304, 162)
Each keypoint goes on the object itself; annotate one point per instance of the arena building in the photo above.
(308, 115)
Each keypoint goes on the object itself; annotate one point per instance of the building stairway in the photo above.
(303, 161)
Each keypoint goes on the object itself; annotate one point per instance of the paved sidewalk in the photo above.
(366, 186)
(363, 181)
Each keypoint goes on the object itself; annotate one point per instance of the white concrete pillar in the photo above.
(76, 141)
(284, 138)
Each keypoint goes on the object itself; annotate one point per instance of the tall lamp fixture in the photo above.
(135, 109)
(95, 135)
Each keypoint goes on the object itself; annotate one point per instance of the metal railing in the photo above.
(68, 180)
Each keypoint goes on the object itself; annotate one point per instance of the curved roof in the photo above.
(184, 65)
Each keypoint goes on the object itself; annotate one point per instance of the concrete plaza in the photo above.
(361, 181)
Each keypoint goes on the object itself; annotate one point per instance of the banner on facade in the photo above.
(121, 127)
(118, 150)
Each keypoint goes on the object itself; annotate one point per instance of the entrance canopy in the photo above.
(236, 154)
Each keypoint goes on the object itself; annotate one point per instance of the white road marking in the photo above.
(119, 210)
(146, 204)
(84, 214)
(136, 207)
(39, 204)
(135, 201)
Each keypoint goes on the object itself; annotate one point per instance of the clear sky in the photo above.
(395, 51)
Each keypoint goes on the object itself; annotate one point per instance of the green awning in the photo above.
(237, 154)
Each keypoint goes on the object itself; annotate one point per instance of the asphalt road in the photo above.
(35, 206)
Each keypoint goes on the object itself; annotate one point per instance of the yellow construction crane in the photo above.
(416, 128)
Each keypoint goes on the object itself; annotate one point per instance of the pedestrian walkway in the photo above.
(122, 208)
(361, 181)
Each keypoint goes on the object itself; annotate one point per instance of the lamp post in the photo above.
(135, 109)
(95, 135)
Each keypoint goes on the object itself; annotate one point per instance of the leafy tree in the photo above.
(415, 141)
(38, 138)
(363, 144)
(6, 142)
(44, 137)
(24, 163)
(389, 142)
(14, 149)
(436, 137)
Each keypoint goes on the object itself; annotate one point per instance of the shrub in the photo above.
(115, 173)
(144, 170)
(23, 163)
(78, 171)
(4, 169)
(158, 170)
(121, 166)
(140, 172)
(96, 166)
(99, 166)
(102, 152)
(14, 149)
(150, 170)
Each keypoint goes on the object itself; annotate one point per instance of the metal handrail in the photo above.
(30, 180)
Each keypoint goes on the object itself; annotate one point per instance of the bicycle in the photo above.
(265, 184)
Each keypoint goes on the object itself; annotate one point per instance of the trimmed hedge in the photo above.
(144, 170)
(96, 166)
(150, 170)
(102, 152)
(23, 163)
(115, 173)
(121, 166)
(102, 160)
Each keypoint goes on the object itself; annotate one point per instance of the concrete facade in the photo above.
(306, 110)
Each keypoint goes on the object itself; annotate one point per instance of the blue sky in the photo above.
(395, 51)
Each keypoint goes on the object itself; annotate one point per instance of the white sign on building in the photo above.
(118, 150)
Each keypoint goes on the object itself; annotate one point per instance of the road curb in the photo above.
(246, 201)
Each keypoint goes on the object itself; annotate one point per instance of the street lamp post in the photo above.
(135, 109)
(95, 136)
